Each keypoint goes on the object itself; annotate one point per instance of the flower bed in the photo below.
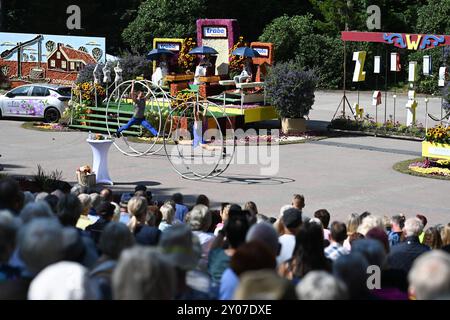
(437, 143)
(368, 125)
(427, 167)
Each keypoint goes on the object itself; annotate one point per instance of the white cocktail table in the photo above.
(100, 150)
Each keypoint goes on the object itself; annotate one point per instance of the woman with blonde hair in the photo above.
(137, 208)
(445, 235)
(168, 214)
(353, 223)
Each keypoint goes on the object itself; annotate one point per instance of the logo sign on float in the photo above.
(169, 46)
(214, 32)
(264, 52)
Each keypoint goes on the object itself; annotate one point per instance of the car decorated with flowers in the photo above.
(39, 100)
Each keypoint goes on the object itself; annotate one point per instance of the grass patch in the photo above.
(403, 167)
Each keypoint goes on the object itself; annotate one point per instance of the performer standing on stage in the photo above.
(139, 113)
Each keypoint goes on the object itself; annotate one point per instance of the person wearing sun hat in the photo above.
(181, 249)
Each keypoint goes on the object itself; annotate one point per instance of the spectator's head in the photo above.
(353, 223)
(124, 199)
(202, 199)
(298, 201)
(429, 277)
(69, 209)
(265, 233)
(168, 213)
(146, 194)
(236, 230)
(140, 187)
(398, 222)
(364, 215)
(38, 209)
(171, 203)
(445, 235)
(62, 281)
(41, 243)
(41, 196)
(27, 198)
(432, 238)
(11, 198)
(105, 210)
(114, 239)
(106, 194)
(143, 274)
(85, 201)
(338, 232)
(413, 227)
(324, 216)
(52, 201)
(372, 250)
(180, 247)
(137, 207)
(96, 200)
(261, 218)
(264, 285)
(199, 218)
(320, 285)
(253, 255)
(8, 229)
(78, 189)
(381, 236)
(387, 223)
(177, 198)
(58, 193)
(352, 270)
(309, 249)
(251, 206)
(154, 216)
(423, 219)
(292, 220)
(370, 222)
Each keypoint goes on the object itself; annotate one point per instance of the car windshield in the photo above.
(64, 91)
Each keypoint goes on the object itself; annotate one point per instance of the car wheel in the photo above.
(51, 115)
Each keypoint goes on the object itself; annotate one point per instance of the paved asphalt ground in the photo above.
(343, 175)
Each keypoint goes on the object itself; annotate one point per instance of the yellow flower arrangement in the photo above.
(438, 134)
(236, 62)
(431, 170)
(185, 60)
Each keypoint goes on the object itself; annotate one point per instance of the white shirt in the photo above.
(159, 74)
(206, 240)
(287, 242)
(200, 71)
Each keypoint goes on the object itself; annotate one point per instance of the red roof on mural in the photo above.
(53, 76)
(73, 54)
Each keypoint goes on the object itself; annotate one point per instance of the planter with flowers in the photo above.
(291, 91)
(437, 143)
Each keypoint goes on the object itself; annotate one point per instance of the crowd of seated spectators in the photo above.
(80, 244)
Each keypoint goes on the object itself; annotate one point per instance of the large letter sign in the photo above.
(359, 74)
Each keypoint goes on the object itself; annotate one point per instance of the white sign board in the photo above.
(214, 32)
(263, 52)
(169, 46)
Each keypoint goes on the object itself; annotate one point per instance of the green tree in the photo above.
(285, 33)
(433, 17)
(163, 18)
(324, 54)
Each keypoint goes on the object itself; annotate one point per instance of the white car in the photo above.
(40, 100)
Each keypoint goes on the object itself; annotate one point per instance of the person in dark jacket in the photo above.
(105, 211)
(403, 254)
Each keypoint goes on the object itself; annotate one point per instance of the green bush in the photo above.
(291, 89)
(286, 33)
(324, 54)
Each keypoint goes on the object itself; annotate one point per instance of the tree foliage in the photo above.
(163, 18)
(286, 33)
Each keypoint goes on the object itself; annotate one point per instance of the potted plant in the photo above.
(437, 143)
(291, 90)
